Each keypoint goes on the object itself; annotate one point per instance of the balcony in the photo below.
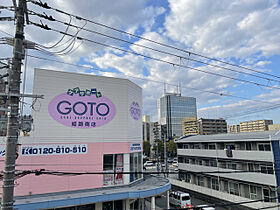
(264, 179)
(252, 155)
(221, 195)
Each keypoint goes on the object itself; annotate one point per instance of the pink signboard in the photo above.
(135, 111)
(82, 108)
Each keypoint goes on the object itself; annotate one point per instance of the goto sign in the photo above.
(82, 109)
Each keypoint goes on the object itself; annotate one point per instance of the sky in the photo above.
(240, 32)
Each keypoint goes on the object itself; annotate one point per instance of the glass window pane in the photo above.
(107, 162)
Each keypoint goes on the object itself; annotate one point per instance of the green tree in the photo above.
(171, 147)
(146, 147)
(160, 147)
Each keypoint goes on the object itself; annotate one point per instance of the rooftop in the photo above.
(150, 186)
(231, 137)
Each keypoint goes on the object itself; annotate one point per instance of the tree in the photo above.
(160, 147)
(146, 148)
(171, 147)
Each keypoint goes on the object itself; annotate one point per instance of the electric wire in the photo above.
(6, 33)
(158, 59)
(153, 49)
(61, 39)
(249, 112)
(46, 6)
(156, 81)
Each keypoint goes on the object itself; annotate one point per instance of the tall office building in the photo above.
(172, 109)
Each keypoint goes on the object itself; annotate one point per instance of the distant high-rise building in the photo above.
(233, 128)
(190, 126)
(147, 132)
(172, 109)
(256, 125)
(212, 126)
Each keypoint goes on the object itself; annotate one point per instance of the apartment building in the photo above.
(234, 129)
(232, 167)
(212, 126)
(190, 126)
(274, 127)
(253, 126)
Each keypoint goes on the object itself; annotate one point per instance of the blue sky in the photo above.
(242, 32)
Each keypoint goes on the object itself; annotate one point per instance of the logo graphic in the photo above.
(82, 108)
(135, 111)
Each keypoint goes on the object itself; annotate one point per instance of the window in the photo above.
(266, 195)
(230, 146)
(212, 146)
(135, 165)
(231, 166)
(196, 146)
(264, 147)
(198, 162)
(233, 188)
(253, 192)
(222, 164)
(266, 169)
(113, 163)
(107, 205)
(186, 146)
(108, 162)
(213, 163)
(200, 181)
(188, 178)
(248, 146)
(225, 189)
(214, 184)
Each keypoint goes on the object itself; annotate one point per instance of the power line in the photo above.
(153, 58)
(248, 112)
(6, 33)
(46, 6)
(149, 48)
(150, 80)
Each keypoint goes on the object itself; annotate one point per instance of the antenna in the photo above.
(180, 89)
(164, 88)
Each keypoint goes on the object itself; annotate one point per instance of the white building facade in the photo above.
(90, 125)
(234, 168)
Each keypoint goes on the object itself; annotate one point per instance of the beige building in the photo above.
(257, 125)
(204, 126)
(233, 128)
(212, 126)
(190, 126)
(274, 127)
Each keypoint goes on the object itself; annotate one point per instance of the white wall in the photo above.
(120, 91)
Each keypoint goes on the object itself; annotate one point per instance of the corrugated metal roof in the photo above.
(248, 136)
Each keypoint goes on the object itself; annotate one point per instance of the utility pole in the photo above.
(156, 136)
(13, 124)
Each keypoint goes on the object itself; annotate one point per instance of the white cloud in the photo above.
(226, 28)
